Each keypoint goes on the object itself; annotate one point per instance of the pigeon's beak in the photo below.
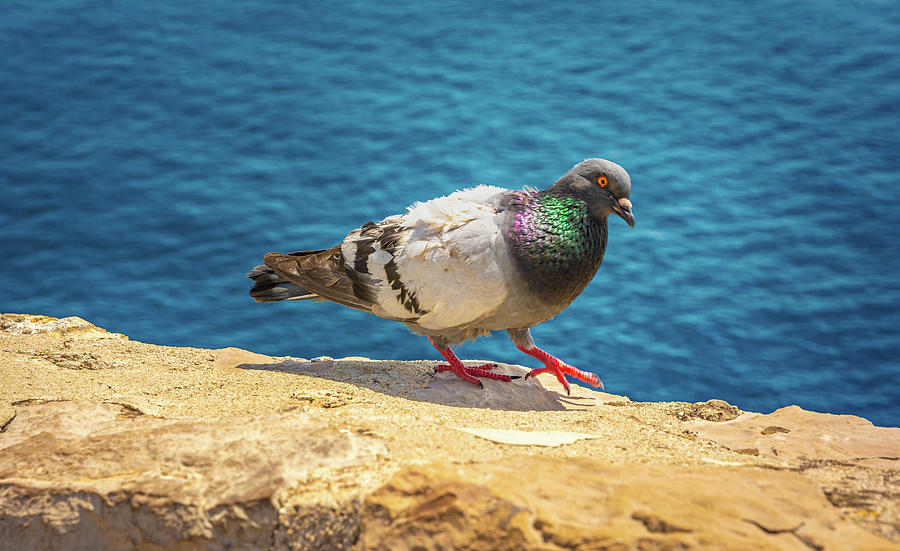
(623, 209)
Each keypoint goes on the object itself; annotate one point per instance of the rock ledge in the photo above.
(108, 443)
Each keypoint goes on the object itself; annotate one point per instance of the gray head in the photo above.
(603, 184)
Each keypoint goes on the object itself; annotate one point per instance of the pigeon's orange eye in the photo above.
(602, 181)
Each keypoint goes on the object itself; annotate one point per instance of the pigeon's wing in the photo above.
(441, 265)
(360, 273)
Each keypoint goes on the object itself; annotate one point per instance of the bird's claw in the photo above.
(561, 369)
(472, 373)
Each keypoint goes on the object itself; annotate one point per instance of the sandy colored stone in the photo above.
(7, 414)
(161, 481)
(28, 324)
(715, 411)
(540, 503)
(417, 381)
(794, 433)
(856, 464)
(108, 443)
(550, 438)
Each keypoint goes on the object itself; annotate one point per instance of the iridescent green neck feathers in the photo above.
(556, 241)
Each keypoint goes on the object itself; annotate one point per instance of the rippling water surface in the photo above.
(151, 152)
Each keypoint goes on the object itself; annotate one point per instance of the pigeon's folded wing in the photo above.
(443, 264)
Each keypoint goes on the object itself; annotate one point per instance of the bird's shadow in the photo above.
(417, 381)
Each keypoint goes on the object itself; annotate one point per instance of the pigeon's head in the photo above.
(603, 184)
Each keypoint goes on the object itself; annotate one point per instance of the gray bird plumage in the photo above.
(457, 267)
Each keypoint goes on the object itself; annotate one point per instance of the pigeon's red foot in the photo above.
(470, 368)
(469, 373)
(560, 368)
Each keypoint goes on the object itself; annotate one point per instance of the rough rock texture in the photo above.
(107, 443)
(541, 503)
(113, 477)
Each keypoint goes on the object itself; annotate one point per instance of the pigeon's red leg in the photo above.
(466, 373)
(559, 368)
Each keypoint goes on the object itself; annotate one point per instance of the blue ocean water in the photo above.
(152, 152)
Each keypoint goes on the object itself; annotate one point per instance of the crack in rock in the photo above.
(655, 524)
(792, 531)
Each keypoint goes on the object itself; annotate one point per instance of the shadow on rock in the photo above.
(417, 380)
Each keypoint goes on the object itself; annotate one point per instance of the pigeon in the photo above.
(457, 267)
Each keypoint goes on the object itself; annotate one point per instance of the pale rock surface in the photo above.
(107, 443)
(142, 478)
(794, 433)
(541, 503)
(550, 438)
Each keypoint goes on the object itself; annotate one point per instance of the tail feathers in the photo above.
(268, 286)
(323, 274)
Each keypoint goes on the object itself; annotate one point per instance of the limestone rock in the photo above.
(550, 438)
(417, 381)
(715, 411)
(540, 503)
(856, 464)
(108, 443)
(105, 476)
(26, 324)
(795, 433)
